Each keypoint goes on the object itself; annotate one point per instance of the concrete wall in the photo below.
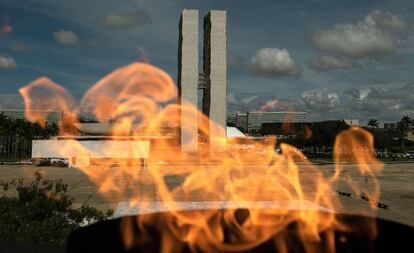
(188, 73)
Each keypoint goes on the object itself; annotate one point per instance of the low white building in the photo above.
(80, 152)
(98, 143)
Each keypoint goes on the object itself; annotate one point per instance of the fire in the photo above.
(6, 27)
(262, 192)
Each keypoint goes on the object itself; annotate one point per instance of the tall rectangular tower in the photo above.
(188, 72)
(215, 67)
(213, 79)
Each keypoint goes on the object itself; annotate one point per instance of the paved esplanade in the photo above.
(397, 190)
(212, 81)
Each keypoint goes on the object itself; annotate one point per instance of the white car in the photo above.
(26, 162)
(59, 162)
(409, 155)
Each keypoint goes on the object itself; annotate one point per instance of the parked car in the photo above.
(409, 155)
(26, 162)
(44, 162)
(60, 162)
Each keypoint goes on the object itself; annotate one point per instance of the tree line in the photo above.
(320, 136)
(21, 127)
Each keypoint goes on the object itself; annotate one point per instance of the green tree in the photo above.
(405, 122)
(21, 127)
(325, 132)
(385, 139)
(42, 213)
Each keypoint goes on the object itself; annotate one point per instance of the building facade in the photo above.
(241, 121)
(255, 120)
(231, 119)
(390, 126)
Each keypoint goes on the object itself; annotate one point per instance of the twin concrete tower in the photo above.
(212, 81)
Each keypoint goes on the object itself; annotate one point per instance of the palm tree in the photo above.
(373, 123)
(405, 122)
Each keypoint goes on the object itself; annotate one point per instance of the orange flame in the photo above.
(6, 27)
(273, 189)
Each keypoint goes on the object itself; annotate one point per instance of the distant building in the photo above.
(241, 121)
(390, 126)
(410, 136)
(237, 120)
(255, 120)
(352, 122)
(232, 119)
(399, 125)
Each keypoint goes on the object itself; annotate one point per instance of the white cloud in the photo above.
(276, 104)
(327, 62)
(384, 103)
(382, 99)
(386, 21)
(320, 99)
(243, 102)
(125, 19)
(7, 62)
(248, 100)
(273, 62)
(363, 93)
(354, 40)
(67, 38)
(231, 99)
(378, 34)
(19, 46)
(387, 103)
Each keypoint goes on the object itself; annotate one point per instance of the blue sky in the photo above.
(333, 59)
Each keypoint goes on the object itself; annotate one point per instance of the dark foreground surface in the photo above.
(105, 237)
(391, 237)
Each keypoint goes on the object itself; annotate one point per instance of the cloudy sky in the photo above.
(333, 59)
